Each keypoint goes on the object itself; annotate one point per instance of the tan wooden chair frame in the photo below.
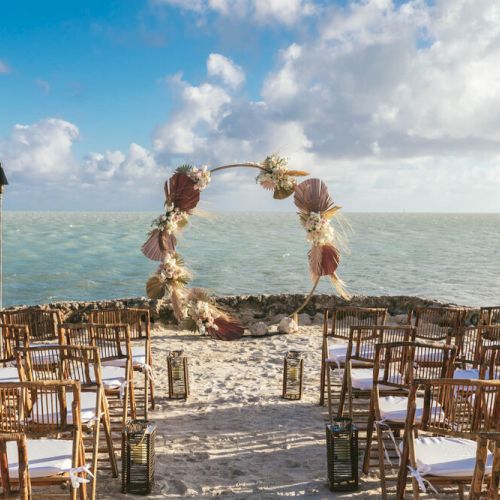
(42, 323)
(335, 326)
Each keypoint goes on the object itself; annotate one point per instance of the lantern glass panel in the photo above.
(292, 375)
(178, 375)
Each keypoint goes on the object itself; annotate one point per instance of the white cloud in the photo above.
(221, 66)
(5, 69)
(42, 150)
(287, 12)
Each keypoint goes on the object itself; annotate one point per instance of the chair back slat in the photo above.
(42, 323)
(75, 334)
(39, 407)
(456, 407)
(61, 363)
(438, 323)
(398, 364)
(12, 336)
(489, 316)
(338, 320)
(112, 341)
(363, 340)
(490, 363)
(137, 319)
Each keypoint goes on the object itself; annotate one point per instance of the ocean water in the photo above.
(56, 256)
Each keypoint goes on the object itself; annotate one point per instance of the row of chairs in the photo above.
(418, 379)
(64, 393)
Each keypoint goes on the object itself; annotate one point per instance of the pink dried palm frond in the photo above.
(152, 249)
(228, 329)
(167, 242)
(180, 192)
(323, 260)
(312, 196)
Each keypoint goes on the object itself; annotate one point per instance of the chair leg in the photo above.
(343, 390)
(106, 423)
(152, 393)
(381, 462)
(322, 380)
(369, 437)
(329, 387)
(133, 404)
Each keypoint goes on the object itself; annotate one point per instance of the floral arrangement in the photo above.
(196, 309)
(172, 221)
(276, 176)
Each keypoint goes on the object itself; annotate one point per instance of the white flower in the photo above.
(170, 220)
(200, 177)
(275, 175)
(319, 230)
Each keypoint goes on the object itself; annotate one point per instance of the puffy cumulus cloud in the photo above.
(138, 164)
(41, 151)
(5, 69)
(397, 100)
(221, 66)
(196, 117)
(286, 12)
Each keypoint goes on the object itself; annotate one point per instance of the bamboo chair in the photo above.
(113, 344)
(358, 382)
(438, 323)
(42, 323)
(395, 367)
(473, 341)
(74, 363)
(12, 336)
(40, 410)
(140, 333)
(448, 449)
(336, 325)
(489, 316)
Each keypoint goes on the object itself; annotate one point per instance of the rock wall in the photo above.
(249, 308)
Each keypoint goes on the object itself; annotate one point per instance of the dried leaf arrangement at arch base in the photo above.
(194, 308)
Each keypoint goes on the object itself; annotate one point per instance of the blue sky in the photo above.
(392, 103)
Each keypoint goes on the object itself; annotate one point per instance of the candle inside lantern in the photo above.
(139, 453)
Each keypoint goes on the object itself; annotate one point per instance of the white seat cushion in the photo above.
(448, 457)
(362, 379)
(394, 408)
(88, 404)
(138, 357)
(9, 374)
(113, 377)
(337, 353)
(46, 457)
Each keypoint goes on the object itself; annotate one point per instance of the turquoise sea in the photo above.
(56, 256)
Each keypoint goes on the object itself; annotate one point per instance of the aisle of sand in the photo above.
(235, 436)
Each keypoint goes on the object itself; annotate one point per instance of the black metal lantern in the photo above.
(178, 377)
(292, 375)
(342, 454)
(138, 457)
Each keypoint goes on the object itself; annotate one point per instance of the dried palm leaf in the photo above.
(323, 260)
(340, 287)
(167, 243)
(228, 329)
(155, 287)
(180, 192)
(281, 194)
(298, 173)
(200, 294)
(331, 212)
(312, 196)
(315, 258)
(153, 248)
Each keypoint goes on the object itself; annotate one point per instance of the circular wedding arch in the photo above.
(194, 308)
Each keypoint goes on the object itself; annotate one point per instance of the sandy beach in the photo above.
(235, 436)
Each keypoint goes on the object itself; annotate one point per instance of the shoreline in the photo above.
(250, 309)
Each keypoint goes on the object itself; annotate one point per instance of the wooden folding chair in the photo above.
(357, 382)
(438, 323)
(12, 336)
(50, 410)
(42, 323)
(113, 345)
(443, 447)
(140, 336)
(74, 363)
(336, 327)
(490, 362)
(396, 367)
